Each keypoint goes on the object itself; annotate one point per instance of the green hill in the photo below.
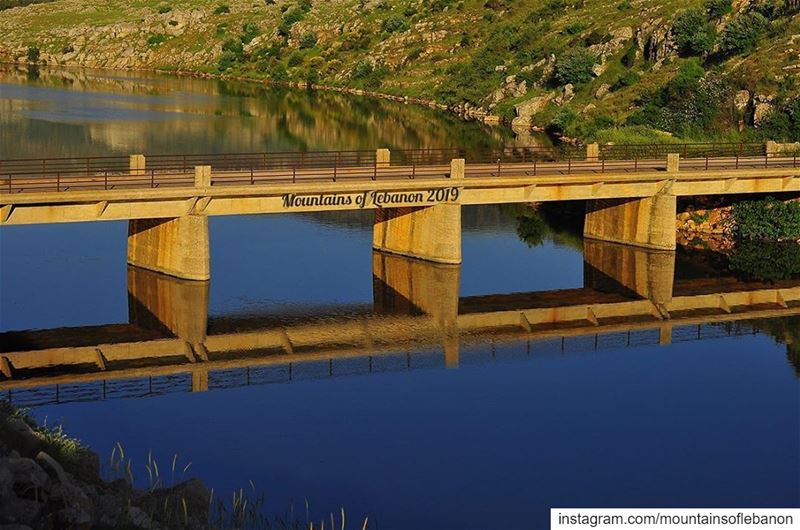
(611, 70)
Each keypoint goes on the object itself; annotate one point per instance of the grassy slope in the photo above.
(441, 32)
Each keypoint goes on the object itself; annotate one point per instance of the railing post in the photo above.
(137, 164)
(382, 157)
(673, 162)
(457, 168)
(498, 166)
(592, 152)
(202, 176)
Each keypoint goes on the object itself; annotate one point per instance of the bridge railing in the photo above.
(157, 171)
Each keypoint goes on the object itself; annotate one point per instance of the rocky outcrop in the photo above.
(527, 109)
(655, 41)
(42, 486)
(763, 106)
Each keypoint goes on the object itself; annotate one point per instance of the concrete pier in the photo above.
(177, 247)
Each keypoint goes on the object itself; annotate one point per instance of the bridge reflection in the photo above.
(418, 319)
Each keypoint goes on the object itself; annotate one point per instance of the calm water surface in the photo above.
(405, 431)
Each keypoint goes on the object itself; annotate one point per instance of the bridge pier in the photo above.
(649, 274)
(174, 246)
(178, 306)
(411, 287)
(430, 233)
(648, 222)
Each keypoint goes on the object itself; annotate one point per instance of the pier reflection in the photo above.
(418, 319)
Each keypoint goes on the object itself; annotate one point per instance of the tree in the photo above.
(741, 35)
(575, 67)
(33, 54)
(694, 34)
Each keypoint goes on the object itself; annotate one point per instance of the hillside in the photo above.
(612, 70)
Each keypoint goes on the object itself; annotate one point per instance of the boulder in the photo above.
(524, 111)
(602, 91)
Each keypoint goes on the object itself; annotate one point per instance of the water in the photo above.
(403, 430)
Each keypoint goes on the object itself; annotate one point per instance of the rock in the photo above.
(741, 100)
(602, 91)
(591, 107)
(138, 518)
(566, 95)
(525, 110)
(27, 473)
(599, 68)
(655, 41)
(763, 107)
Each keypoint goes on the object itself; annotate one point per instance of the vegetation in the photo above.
(628, 78)
(765, 262)
(8, 4)
(768, 219)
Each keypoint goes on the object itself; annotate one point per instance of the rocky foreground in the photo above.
(49, 481)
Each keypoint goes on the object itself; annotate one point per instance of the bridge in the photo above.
(629, 298)
(631, 192)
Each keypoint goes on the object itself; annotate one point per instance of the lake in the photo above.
(400, 429)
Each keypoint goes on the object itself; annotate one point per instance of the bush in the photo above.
(308, 40)
(694, 34)
(156, 39)
(629, 57)
(226, 60)
(395, 24)
(222, 9)
(783, 123)
(234, 46)
(295, 59)
(741, 35)
(575, 67)
(768, 219)
(716, 9)
(629, 79)
(164, 9)
(250, 31)
(575, 28)
(765, 262)
(33, 54)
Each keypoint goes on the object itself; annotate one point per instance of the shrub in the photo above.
(629, 79)
(625, 5)
(629, 57)
(767, 219)
(222, 9)
(234, 46)
(295, 59)
(716, 9)
(694, 34)
(33, 54)
(741, 35)
(756, 260)
(308, 40)
(575, 67)
(575, 28)
(226, 60)
(395, 24)
(784, 122)
(164, 9)
(155, 39)
(250, 31)
(361, 70)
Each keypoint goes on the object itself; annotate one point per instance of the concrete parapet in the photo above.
(175, 246)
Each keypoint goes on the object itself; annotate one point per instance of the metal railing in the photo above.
(237, 169)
